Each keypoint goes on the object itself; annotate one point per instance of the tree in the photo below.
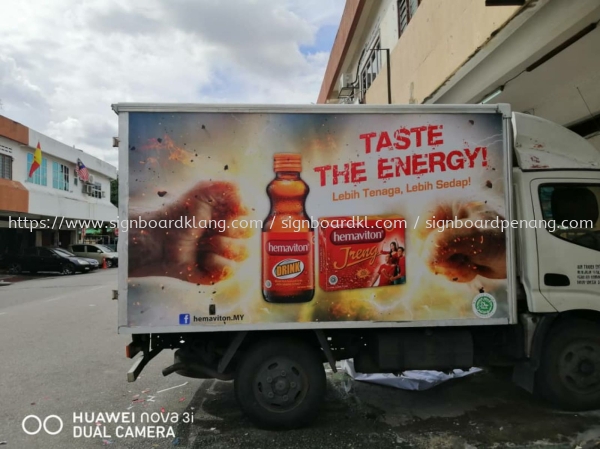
(114, 192)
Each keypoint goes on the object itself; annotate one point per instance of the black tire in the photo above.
(280, 384)
(569, 373)
(68, 269)
(15, 268)
(109, 263)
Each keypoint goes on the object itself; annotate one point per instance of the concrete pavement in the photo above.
(60, 355)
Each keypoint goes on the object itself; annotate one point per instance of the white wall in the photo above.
(379, 18)
(55, 203)
(70, 154)
(48, 201)
(388, 28)
(75, 191)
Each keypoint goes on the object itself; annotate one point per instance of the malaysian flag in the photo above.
(81, 171)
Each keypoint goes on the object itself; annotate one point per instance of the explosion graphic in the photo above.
(166, 144)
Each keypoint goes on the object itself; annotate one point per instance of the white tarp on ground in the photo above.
(408, 380)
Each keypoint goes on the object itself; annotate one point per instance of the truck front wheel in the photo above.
(569, 375)
(280, 384)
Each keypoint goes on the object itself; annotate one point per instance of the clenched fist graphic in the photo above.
(199, 254)
(461, 253)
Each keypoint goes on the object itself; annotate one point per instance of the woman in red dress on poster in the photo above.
(393, 252)
(386, 272)
(396, 253)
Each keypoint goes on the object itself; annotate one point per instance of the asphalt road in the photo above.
(60, 355)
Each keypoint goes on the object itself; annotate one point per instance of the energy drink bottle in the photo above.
(287, 236)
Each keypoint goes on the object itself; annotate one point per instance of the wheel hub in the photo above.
(580, 367)
(279, 386)
(282, 386)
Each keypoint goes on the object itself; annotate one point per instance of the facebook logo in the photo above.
(184, 318)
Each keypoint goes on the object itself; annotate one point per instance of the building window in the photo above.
(97, 190)
(60, 176)
(94, 190)
(371, 68)
(5, 166)
(40, 175)
(406, 11)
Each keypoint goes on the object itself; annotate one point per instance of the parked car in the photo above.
(5, 260)
(97, 252)
(94, 264)
(110, 243)
(39, 258)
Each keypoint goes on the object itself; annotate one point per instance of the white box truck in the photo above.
(260, 242)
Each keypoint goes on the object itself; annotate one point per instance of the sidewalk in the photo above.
(7, 278)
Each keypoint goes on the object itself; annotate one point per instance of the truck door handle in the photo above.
(556, 280)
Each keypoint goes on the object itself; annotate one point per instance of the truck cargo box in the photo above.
(304, 217)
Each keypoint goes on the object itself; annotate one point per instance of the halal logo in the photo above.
(484, 305)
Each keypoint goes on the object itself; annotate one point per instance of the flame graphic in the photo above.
(165, 143)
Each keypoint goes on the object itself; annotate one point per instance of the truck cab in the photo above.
(557, 192)
(557, 202)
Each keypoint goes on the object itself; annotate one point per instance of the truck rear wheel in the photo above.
(280, 384)
(569, 375)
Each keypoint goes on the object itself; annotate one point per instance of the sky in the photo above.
(64, 62)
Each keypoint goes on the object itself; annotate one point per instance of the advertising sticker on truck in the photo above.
(315, 218)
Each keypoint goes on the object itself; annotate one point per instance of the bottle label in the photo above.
(288, 261)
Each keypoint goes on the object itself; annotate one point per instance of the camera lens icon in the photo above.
(41, 425)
